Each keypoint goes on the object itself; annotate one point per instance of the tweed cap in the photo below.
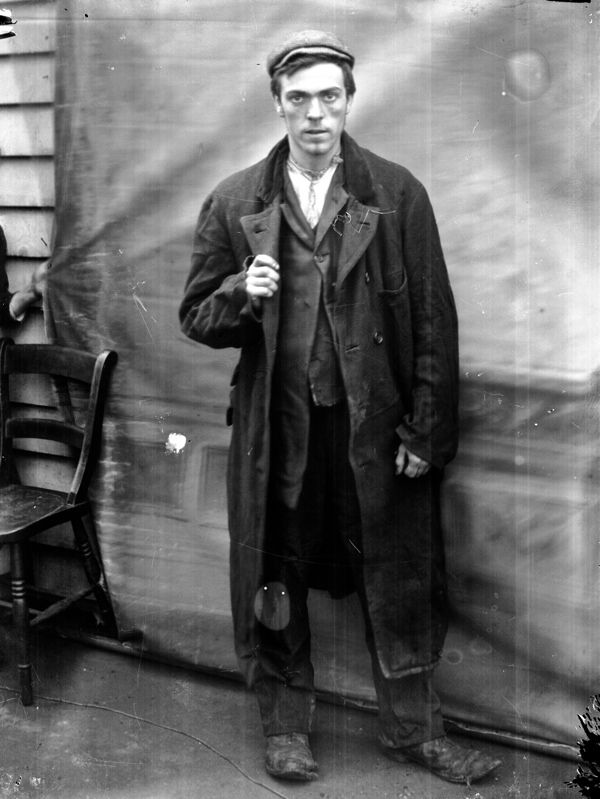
(309, 42)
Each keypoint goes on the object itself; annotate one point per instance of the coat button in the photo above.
(367, 277)
(377, 337)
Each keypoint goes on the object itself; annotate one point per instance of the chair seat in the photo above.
(22, 508)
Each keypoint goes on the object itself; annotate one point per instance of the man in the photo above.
(14, 305)
(323, 264)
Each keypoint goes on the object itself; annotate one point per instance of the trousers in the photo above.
(317, 542)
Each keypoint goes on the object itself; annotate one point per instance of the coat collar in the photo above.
(359, 181)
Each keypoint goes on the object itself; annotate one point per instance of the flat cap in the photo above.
(309, 42)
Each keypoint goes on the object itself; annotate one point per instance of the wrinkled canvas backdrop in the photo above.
(493, 104)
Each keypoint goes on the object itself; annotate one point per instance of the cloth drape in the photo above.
(493, 105)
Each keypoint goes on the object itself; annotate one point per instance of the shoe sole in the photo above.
(401, 757)
(293, 775)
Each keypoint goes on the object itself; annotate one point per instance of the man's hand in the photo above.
(409, 464)
(262, 279)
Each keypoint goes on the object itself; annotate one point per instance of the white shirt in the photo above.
(311, 193)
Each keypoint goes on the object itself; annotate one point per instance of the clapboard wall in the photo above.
(27, 215)
(27, 147)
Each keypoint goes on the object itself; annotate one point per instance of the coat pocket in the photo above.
(395, 281)
(394, 306)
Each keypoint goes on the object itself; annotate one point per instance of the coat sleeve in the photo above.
(215, 309)
(430, 429)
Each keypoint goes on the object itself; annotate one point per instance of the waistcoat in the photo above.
(306, 367)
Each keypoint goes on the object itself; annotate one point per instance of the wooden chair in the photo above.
(25, 510)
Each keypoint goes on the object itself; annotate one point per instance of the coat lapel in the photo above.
(360, 226)
(262, 230)
(262, 233)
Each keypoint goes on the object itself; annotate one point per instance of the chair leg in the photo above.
(95, 576)
(21, 620)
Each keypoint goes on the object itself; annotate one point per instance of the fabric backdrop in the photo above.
(493, 104)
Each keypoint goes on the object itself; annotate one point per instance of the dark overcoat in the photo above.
(396, 336)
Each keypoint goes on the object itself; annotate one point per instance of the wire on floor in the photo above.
(214, 750)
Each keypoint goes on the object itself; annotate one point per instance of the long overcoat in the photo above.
(396, 336)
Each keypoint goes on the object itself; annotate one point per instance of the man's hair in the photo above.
(304, 61)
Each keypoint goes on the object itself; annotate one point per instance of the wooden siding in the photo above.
(27, 146)
(26, 79)
(27, 182)
(27, 133)
(28, 231)
(27, 130)
(27, 170)
(35, 30)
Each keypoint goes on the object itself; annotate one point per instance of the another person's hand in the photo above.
(23, 298)
(262, 279)
(409, 464)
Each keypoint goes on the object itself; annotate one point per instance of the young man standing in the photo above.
(322, 263)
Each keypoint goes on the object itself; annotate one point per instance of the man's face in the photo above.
(314, 104)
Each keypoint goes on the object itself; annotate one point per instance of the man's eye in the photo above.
(330, 98)
(296, 100)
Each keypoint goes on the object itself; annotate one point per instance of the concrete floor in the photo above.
(109, 726)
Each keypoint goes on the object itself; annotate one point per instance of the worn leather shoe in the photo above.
(289, 757)
(448, 760)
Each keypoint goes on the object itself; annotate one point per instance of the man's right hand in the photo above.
(262, 278)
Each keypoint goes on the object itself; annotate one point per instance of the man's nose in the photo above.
(314, 109)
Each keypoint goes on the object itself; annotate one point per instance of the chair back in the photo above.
(81, 432)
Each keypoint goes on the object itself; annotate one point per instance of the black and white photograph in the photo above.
(300, 399)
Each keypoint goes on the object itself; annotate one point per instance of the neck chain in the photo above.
(314, 175)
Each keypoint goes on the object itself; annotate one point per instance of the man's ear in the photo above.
(277, 104)
(349, 104)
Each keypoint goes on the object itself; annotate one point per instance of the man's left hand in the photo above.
(409, 464)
